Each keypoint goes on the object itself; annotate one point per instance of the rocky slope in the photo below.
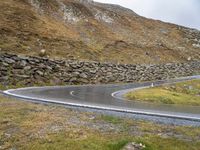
(88, 30)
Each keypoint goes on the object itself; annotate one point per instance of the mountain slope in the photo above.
(84, 29)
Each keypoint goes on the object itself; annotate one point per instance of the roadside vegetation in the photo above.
(25, 125)
(183, 93)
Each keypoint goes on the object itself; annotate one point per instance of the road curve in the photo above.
(109, 98)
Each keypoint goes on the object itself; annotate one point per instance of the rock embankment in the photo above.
(16, 70)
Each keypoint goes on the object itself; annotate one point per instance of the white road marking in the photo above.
(126, 91)
(72, 93)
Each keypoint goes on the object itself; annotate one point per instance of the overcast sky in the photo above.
(183, 12)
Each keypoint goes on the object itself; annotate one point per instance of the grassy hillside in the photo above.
(92, 31)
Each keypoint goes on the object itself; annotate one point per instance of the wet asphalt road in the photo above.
(109, 98)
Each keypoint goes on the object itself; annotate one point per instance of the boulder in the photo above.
(42, 53)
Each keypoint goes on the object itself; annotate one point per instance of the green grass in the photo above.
(184, 93)
(111, 119)
(93, 142)
(157, 143)
(26, 125)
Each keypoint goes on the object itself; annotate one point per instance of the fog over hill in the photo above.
(183, 12)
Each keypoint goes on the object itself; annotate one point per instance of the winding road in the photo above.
(110, 98)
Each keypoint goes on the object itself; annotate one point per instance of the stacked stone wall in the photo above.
(30, 70)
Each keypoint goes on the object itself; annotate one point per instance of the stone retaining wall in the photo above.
(33, 70)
